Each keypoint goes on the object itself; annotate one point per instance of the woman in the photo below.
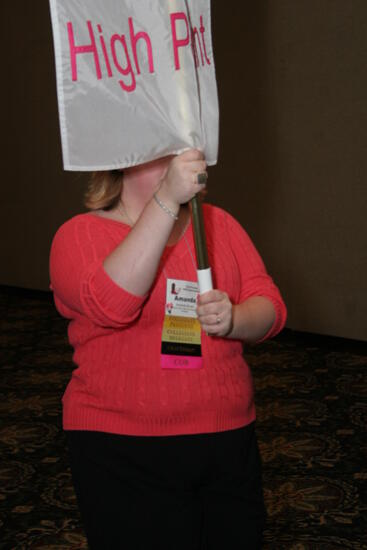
(163, 454)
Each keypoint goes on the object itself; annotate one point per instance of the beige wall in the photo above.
(293, 86)
(37, 195)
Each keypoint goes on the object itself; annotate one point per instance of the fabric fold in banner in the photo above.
(135, 80)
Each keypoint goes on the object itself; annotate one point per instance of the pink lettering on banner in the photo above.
(134, 40)
(179, 43)
(195, 41)
(128, 70)
(78, 50)
(181, 362)
(105, 53)
(121, 52)
(192, 34)
(202, 31)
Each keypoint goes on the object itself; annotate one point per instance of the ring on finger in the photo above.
(219, 320)
(202, 178)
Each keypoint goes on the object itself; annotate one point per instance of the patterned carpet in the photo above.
(312, 418)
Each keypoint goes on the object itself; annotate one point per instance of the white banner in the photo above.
(135, 81)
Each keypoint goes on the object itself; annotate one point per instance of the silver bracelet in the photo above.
(165, 208)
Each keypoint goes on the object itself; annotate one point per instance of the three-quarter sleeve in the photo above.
(79, 282)
(254, 279)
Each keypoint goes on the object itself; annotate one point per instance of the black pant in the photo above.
(190, 492)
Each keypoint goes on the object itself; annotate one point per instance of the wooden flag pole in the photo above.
(203, 268)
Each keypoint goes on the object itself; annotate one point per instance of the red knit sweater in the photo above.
(119, 385)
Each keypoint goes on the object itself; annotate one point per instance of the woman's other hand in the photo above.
(180, 182)
(214, 312)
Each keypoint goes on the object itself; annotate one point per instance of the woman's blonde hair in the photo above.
(104, 190)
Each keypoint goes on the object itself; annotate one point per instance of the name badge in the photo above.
(181, 335)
